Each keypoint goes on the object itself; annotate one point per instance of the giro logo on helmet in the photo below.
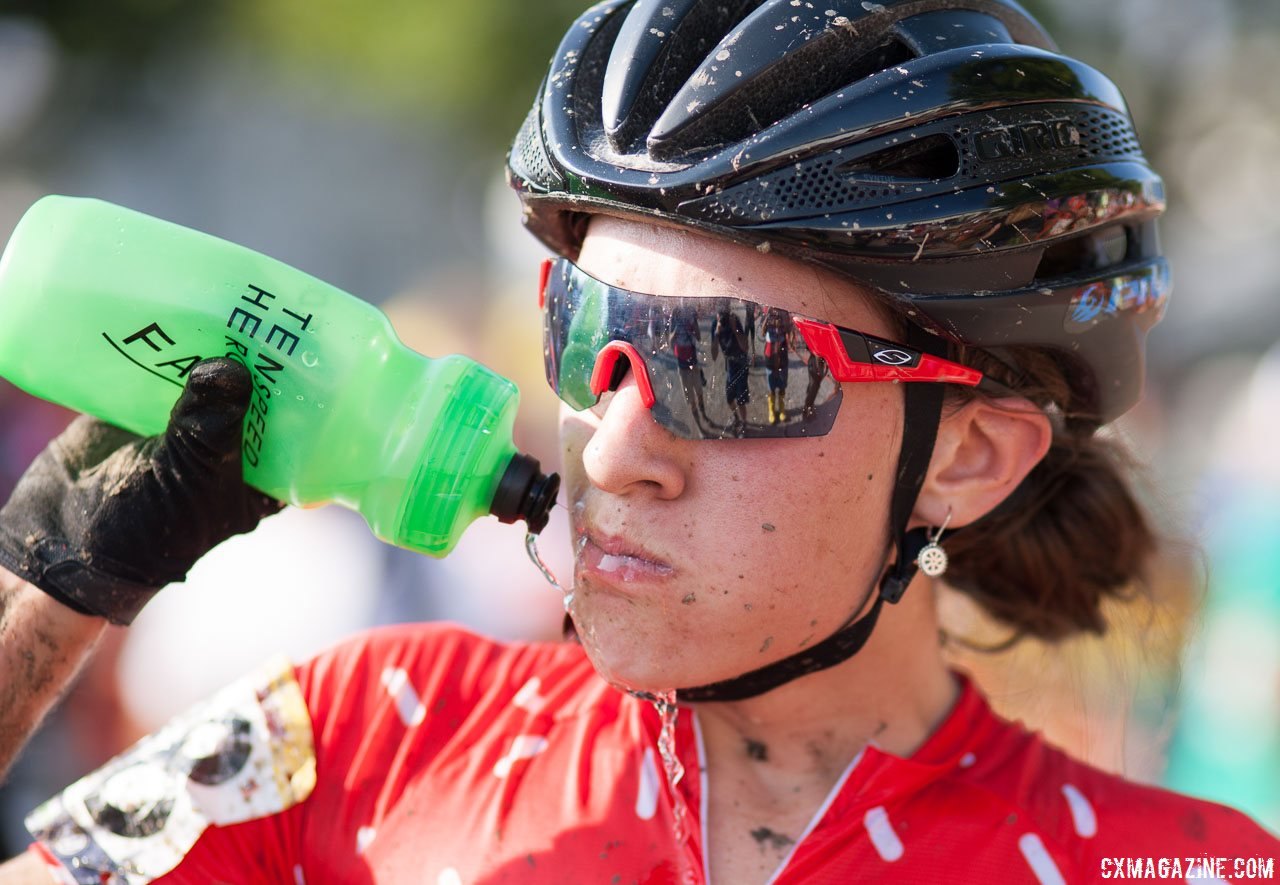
(1026, 140)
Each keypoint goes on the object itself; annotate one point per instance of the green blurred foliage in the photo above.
(475, 62)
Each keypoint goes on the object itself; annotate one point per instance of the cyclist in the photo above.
(933, 196)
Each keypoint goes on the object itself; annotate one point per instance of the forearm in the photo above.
(42, 646)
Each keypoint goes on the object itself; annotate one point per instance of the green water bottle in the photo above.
(106, 310)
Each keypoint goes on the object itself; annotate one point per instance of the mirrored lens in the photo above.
(735, 370)
(575, 322)
(720, 368)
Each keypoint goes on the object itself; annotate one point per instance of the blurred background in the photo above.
(364, 142)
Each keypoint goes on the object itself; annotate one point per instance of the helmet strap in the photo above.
(922, 414)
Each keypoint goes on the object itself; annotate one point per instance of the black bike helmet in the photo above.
(941, 152)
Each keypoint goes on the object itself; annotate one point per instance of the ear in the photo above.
(984, 450)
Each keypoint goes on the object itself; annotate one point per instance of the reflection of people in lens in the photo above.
(777, 353)
(685, 336)
(817, 371)
(728, 335)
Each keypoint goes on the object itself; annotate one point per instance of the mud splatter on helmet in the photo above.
(941, 151)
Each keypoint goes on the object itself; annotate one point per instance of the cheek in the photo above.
(798, 529)
(778, 542)
(810, 520)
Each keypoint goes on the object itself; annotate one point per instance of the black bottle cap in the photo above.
(525, 492)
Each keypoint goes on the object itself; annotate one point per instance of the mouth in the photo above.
(617, 560)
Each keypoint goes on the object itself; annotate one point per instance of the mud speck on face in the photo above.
(756, 750)
(689, 600)
(769, 527)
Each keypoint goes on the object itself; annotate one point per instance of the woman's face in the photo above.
(697, 561)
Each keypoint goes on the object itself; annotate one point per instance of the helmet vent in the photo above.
(807, 187)
(929, 158)
(658, 49)
(1096, 251)
(1107, 133)
(828, 63)
(528, 158)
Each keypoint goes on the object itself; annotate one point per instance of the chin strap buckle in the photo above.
(899, 577)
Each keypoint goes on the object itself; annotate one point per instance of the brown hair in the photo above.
(1071, 535)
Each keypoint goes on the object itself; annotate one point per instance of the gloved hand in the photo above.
(104, 518)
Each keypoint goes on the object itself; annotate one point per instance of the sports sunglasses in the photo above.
(715, 367)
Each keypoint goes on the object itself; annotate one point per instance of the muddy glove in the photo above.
(104, 518)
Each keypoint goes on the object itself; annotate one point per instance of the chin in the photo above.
(626, 652)
(634, 653)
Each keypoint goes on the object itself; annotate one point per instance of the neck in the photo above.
(894, 692)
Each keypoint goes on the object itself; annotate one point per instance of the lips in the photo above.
(618, 560)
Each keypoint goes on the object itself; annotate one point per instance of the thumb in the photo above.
(208, 417)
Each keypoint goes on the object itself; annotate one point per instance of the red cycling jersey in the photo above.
(437, 756)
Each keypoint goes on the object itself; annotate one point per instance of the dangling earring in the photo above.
(932, 558)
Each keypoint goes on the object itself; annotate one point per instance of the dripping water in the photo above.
(531, 547)
(665, 703)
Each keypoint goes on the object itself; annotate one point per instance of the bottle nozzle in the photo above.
(525, 492)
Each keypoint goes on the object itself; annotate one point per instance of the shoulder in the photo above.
(1090, 814)
(430, 664)
(1132, 818)
(435, 657)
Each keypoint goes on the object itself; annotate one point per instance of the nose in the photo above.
(629, 452)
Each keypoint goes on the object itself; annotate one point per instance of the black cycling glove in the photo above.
(103, 518)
